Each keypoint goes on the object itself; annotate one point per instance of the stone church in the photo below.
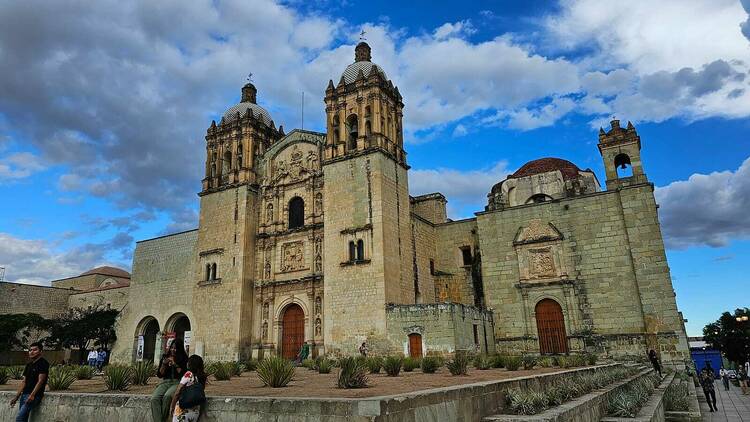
(312, 238)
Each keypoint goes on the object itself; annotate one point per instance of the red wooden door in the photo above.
(415, 345)
(551, 327)
(292, 331)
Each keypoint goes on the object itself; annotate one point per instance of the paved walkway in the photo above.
(732, 405)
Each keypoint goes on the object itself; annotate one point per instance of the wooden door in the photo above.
(292, 331)
(551, 327)
(415, 345)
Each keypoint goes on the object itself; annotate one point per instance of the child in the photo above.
(194, 375)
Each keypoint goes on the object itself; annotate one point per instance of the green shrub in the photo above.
(411, 363)
(528, 361)
(223, 371)
(118, 377)
(251, 364)
(460, 364)
(374, 364)
(497, 361)
(392, 365)
(309, 364)
(591, 358)
(237, 368)
(527, 402)
(352, 373)
(142, 371)
(482, 362)
(16, 372)
(83, 372)
(324, 366)
(545, 362)
(430, 364)
(512, 363)
(275, 371)
(60, 378)
(4, 376)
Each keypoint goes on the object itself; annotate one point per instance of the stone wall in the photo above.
(444, 328)
(431, 207)
(161, 287)
(49, 302)
(601, 257)
(82, 282)
(115, 298)
(424, 243)
(453, 280)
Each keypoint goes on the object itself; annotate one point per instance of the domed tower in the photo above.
(367, 225)
(225, 250)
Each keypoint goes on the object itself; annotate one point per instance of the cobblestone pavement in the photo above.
(732, 405)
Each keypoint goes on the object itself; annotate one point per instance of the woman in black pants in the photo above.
(707, 382)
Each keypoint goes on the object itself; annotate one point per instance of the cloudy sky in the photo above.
(104, 105)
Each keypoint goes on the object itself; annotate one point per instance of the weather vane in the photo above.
(250, 77)
(362, 36)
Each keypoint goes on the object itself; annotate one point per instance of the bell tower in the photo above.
(367, 226)
(621, 151)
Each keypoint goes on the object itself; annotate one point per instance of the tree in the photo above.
(16, 329)
(730, 336)
(79, 326)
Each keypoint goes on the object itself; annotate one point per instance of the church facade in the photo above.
(312, 238)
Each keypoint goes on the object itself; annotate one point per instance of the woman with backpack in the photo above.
(190, 394)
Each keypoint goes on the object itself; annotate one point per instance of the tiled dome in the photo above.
(258, 111)
(350, 74)
(544, 165)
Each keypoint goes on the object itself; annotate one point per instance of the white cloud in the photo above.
(745, 26)
(19, 166)
(464, 189)
(707, 209)
(455, 29)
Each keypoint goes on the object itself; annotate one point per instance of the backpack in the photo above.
(192, 396)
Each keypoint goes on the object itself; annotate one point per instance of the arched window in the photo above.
(239, 156)
(367, 111)
(623, 166)
(353, 131)
(360, 250)
(226, 166)
(538, 198)
(352, 251)
(296, 212)
(336, 130)
(368, 128)
(213, 271)
(208, 272)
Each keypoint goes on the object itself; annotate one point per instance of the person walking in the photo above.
(172, 367)
(654, 361)
(724, 378)
(742, 375)
(91, 358)
(190, 393)
(101, 356)
(707, 382)
(31, 390)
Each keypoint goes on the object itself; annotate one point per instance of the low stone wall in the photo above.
(653, 410)
(693, 414)
(464, 403)
(590, 407)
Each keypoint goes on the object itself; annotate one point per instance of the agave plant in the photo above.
(60, 378)
(83, 372)
(545, 362)
(392, 365)
(4, 375)
(352, 373)
(324, 366)
(251, 364)
(374, 364)
(430, 364)
(118, 377)
(528, 361)
(142, 371)
(16, 372)
(411, 363)
(223, 371)
(309, 364)
(482, 362)
(512, 363)
(459, 365)
(676, 397)
(237, 368)
(497, 361)
(275, 371)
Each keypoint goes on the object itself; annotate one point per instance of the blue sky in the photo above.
(103, 109)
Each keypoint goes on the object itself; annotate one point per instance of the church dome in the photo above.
(247, 102)
(544, 165)
(362, 62)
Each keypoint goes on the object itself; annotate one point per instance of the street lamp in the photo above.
(742, 318)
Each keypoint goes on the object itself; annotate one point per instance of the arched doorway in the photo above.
(177, 326)
(550, 324)
(415, 345)
(146, 348)
(292, 331)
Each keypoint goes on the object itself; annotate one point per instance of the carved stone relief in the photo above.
(269, 212)
(541, 263)
(292, 256)
(265, 310)
(318, 305)
(318, 203)
(264, 331)
(317, 326)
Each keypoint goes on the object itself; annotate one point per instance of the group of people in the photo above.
(178, 396)
(707, 378)
(97, 358)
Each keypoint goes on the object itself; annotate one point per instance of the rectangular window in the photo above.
(476, 335)
(466, 255)
(432, 267)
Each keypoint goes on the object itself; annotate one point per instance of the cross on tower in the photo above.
(250, 77)
(362, 36)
